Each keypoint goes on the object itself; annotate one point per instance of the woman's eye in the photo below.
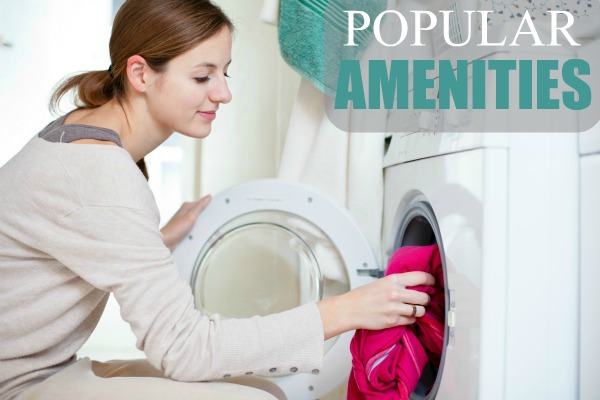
(202, 79)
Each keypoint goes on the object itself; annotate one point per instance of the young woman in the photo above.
(79, 222)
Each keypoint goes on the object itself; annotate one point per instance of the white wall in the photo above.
(49, 40)
(248, 134)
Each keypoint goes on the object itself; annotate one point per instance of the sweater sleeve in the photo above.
(120, 249)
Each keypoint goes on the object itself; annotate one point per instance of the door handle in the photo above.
(375, 273)
(4, 43)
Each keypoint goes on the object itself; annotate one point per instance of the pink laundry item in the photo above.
(387, 364)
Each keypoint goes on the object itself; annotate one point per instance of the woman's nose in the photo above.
(221, 93)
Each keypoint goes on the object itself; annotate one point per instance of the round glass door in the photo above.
(267, 262)
(257, 269)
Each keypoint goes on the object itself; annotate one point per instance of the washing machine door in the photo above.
(268, 246)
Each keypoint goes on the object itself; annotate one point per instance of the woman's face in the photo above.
(185, 97)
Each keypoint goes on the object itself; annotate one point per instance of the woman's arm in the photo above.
(381, 304)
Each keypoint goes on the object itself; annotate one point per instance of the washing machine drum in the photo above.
(268, 246)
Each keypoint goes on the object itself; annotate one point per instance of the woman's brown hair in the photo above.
(157, 30)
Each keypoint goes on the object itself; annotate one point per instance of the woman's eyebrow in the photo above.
(210, 65)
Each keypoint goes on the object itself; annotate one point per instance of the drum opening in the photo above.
(419, 227)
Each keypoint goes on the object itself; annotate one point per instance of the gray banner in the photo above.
(532, 66)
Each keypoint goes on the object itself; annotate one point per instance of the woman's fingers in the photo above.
(415, 278)
(182, 222)
(411, 303)
(196, 207)
(385, 303)
(410, 296)
(401, 284)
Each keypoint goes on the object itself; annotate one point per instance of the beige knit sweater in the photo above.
(78, 221)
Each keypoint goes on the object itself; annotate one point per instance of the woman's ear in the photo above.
(137, 69)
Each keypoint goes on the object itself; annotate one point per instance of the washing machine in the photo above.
(503, 209)
(589, 317)
(505, 219)
(267, 246)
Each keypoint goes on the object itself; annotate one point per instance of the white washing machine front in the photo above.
(507, 251)
(433, 201)
(267, 246)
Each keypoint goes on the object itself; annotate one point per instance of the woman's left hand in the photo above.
(182, 222)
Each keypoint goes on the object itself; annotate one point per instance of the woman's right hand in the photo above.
(381, 304)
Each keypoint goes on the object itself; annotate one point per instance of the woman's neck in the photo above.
(135, 127)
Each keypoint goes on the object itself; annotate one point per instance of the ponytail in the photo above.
(94, 89)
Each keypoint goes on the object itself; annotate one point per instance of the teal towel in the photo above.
(312, 34)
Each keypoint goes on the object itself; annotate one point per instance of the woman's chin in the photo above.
(196, 134)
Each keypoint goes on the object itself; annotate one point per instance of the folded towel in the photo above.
(388, 363)
(312, 34)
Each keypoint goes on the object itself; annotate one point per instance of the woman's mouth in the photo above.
(209, 115)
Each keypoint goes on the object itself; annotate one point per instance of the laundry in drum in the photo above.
(395, 362)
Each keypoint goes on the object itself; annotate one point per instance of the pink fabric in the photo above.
(388, 363)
